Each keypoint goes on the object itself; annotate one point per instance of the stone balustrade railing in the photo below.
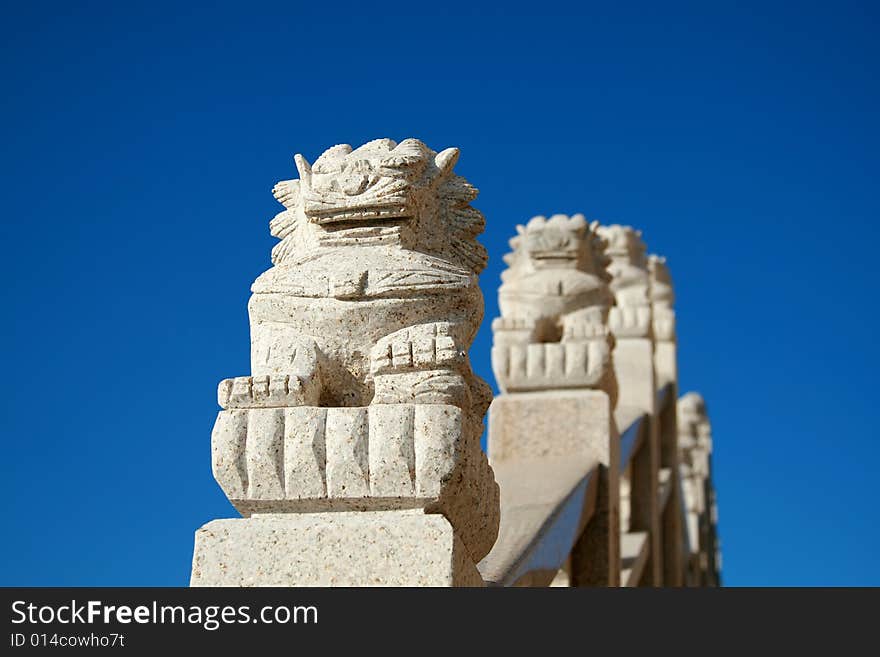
(352, 449)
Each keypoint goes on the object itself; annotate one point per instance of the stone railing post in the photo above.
(662, 300)
(552, 360)
(352, 450)
(631, 324)
(695, 445)
(666, 367)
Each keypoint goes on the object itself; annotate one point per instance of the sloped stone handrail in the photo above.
(545, 506)
(640, 511)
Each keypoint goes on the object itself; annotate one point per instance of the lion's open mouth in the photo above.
(332, 217)
(560, 256)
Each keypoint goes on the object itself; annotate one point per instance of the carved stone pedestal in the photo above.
(371, 548)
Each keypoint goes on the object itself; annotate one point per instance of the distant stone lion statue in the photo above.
(554, 300)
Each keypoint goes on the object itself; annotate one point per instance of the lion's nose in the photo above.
(357, 177)
(355, 184)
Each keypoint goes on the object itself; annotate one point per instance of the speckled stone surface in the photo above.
(374, 548)
(529, 425)
(379, 457)
(361, 396)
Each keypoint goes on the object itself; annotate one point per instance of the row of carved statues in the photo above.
(361, 401)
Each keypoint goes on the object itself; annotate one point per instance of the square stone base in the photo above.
(364, 548)
(526, 425)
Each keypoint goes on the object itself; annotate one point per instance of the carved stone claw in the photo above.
(583, 331)
(541, 366)
(267, 391)
(511, 330)
(420, 347)
(630, 321)
(421, 387)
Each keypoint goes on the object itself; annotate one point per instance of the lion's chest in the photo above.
(358, 283)
(357, 274)
(346, 331)
(550, 293)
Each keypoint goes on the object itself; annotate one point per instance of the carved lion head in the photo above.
(380, 193)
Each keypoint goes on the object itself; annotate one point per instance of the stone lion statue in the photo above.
(555, 293)
(361, 395)
(373, 296)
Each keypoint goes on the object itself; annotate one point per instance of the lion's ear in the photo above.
(445, 160)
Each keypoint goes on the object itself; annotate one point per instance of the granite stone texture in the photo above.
(372, 548)
(361, 396)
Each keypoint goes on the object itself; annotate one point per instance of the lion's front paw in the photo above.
(421, 387)
(267, 391)
(513, 330)
(585, 324)
(426, 346)
(540, 366)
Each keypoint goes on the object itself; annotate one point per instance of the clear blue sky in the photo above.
(140, 142)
